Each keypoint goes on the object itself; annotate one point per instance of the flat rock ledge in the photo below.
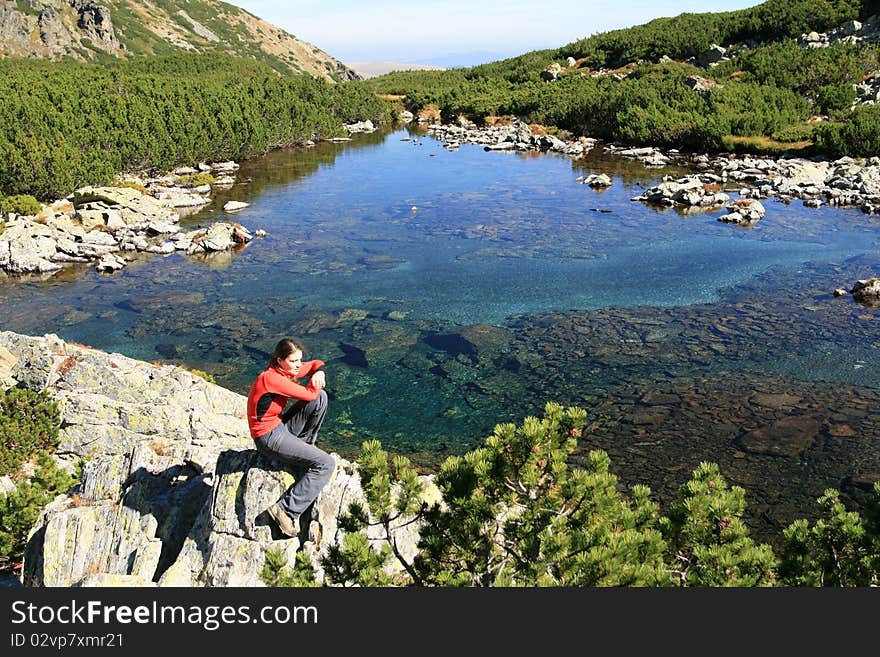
(173, 492)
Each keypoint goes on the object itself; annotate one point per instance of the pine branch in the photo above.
(506, 547)
(392, 540)
(837, 563)
(515, 486)
(685, 572)
(576, 507)
(400, 514)
(557, 562)
(498, 567)
(412, 520)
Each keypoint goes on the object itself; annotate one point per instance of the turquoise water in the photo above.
(449, 291)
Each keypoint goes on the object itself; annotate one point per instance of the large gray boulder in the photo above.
(173, 492)
(713, 55)
(136, 209)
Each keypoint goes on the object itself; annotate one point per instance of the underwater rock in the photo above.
(789, 437)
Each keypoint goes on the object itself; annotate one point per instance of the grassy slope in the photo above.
(680, 37)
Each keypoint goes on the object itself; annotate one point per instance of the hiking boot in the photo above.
(285, 523)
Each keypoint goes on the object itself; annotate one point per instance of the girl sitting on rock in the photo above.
(290, 436)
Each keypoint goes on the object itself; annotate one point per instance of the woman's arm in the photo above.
(309, 367)
(278, 384)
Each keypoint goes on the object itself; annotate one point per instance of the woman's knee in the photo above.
(326, 463)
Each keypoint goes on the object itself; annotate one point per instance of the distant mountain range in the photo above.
(86, 30)
(439, 63)
(465, 59)
(374, 69)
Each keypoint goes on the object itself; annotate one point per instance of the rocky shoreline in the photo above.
(845, 182)
(515, 136)
(137, 214)
(102, 225)
(98, 224)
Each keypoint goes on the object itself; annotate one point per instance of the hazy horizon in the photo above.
(465, 33)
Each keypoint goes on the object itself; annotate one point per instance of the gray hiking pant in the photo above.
(293, 442)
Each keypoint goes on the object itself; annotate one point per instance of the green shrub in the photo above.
(20, 508)
(28, 433)
(277, 573)
(195, 179)
(133, 185)
(709, 540)
(840, 549)
(794, 133)
(28, 425)
(20, 204)
(834, 98)
(860, 136)
(207, 377)
(86, 122)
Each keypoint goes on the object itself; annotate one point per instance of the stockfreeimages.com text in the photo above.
(210, 617)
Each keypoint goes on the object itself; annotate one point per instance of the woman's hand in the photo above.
(319, 380)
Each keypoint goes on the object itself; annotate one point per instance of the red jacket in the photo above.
(270, 392)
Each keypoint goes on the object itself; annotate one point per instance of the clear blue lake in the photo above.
(452, 290)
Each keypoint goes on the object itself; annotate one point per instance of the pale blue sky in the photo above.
(417, 30)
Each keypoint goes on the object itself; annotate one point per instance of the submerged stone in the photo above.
(789, 437)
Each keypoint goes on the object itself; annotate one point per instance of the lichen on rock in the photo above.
(173, 492)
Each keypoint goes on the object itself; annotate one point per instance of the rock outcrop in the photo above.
(845, 182)
(867, 291)
(852, 32)
(744, 211)
(173, 493)
(56, 28)
(552, 72)
(712, 56)
(84, 29)
(95, 224)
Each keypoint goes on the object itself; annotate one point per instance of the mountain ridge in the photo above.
(86, 30)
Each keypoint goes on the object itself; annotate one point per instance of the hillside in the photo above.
(86, 30)
(87, 122)
(782, 73)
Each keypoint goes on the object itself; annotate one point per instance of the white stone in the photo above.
(233, 206)
(110, 262)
